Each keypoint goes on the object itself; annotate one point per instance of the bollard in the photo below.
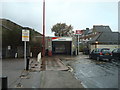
(39, 57)
(27, 63)
(31, 54)
(4, 83)
(16, 55)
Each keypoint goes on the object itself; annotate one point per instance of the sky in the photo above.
(81, 14)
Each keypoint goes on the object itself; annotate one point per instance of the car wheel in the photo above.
(110, 60)
(98, 58)
(90, 57)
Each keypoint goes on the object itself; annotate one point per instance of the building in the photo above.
(12, 44)
(61, 45)
(105, 40)
(97, 35)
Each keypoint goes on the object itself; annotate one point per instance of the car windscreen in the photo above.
(119, 50)
(105, 50)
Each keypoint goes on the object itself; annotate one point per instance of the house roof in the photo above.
(107, 37)
(101, 28)
(12, 26)
(87, 31)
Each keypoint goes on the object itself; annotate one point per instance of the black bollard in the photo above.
(27, 63)
(4, 83)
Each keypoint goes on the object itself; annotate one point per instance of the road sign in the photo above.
(25, 35)
(25, 38)
(78, 32)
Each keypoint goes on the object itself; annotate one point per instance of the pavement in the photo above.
(53, 73)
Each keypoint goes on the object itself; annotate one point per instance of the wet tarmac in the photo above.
(92, 73)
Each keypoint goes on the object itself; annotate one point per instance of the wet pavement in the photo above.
(92, 73)
(17, 76)
(54, 75)
(62, 71)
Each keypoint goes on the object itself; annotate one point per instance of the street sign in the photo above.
(25, 38)
(25, 35)
(78, 32)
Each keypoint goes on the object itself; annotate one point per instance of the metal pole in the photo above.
(43, 40)
(25, 53)
(27, 63)
(78, 44)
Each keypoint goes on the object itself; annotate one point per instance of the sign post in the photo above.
(78, 32)
(78, 45)
(25, 38)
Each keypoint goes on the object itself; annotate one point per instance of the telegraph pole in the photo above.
(43, 39)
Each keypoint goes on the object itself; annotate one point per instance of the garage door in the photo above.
(61, 47)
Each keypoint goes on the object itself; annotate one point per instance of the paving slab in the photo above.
(59, 79)
(55, 64)
(50, 78)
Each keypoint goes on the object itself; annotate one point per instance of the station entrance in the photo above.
(61, 47)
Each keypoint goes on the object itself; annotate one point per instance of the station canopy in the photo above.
(61, 38)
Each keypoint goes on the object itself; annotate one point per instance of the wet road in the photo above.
(92, 73)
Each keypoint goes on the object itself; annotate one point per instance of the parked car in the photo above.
(116, 54)
(101, 54)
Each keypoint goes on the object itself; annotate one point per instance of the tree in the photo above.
(61, 29)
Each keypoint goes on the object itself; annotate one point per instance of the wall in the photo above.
(74, 46)
(48, 43)
(104, 46)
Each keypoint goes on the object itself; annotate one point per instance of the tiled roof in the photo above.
(107, 37)
(101, 28)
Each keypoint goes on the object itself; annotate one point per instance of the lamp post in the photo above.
(43, 39)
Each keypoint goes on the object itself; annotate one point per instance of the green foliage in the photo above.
(61, 29)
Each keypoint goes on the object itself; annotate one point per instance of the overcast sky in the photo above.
(80, 14)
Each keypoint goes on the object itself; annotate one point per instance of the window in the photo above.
(119, 50)
(105, 50)
(115, 50)
(96, 50)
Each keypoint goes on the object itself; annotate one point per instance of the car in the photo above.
(101, 54)
(116, 54)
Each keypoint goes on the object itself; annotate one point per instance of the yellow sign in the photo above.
(25, 35)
